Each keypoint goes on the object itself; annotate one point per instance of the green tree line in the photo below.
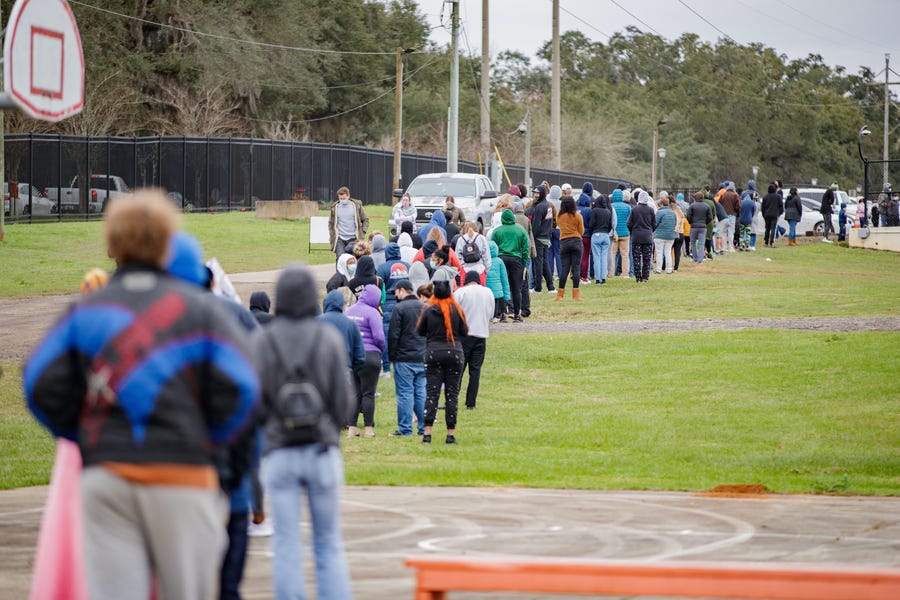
(324, 70)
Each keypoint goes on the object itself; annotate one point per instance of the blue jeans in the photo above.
(409, 384)
(318, 473)
(553, 255)
(792, 233)
(385, 361)
(235, 557)
(600, 252)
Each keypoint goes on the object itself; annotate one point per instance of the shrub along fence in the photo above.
(214, 174)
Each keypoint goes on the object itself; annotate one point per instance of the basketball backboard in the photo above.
(43, 62)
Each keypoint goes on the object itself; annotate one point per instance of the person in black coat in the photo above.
(407, 352)
(793, 210)
(443, 356)
(407, 227)
(772, 207)
(641, 224)
(827, 209)
(259, 306)
(365, 275)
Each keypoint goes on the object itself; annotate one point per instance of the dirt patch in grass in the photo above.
(736, 490)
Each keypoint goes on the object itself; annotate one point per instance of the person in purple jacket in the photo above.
(368, 319)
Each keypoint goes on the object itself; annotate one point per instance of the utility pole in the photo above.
(555, 125)
(887, 104)
(398, 120)
(2, 164)
(485, 83)
(453, 125)
(885, 154)
(398, 116)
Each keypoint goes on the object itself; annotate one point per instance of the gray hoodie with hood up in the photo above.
(302, 339)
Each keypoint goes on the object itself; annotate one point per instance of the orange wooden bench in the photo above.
(437, 575)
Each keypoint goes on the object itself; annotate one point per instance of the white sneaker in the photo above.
(385, 374)
(263, 529)
(551, 291)
(826, 241)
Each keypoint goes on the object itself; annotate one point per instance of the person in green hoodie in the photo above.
(512, 243)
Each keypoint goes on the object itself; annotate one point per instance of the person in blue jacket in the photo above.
(333, 312)
(439, 220)
(149, 375)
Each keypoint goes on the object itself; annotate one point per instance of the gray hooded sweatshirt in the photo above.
(302, 339)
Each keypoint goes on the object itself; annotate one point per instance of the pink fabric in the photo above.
(59, 562)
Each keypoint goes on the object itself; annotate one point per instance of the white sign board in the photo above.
(44, 65)
(318, 231)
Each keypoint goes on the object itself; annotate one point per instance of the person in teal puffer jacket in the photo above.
(622, 240)
(498, 282)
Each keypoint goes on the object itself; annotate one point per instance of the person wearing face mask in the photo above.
(347, 222)
(441, 269)
(346, 270)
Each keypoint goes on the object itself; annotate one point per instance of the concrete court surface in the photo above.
(382, 525)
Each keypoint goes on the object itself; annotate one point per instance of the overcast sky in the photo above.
(848, 33)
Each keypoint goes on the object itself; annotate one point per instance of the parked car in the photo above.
(471, 191)
(811, 222)
(70, 197)
(30, 202)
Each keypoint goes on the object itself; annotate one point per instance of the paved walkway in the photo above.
(382, 525)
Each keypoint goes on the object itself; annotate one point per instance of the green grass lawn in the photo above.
(811, 280)
(802, 412)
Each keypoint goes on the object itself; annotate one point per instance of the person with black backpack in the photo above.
(307, 397)
(472, 249)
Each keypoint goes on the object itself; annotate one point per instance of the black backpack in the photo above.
(471, 253)
(298, 405)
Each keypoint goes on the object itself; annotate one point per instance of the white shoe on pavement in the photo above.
(263, 529)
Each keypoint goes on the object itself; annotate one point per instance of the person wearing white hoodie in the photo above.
(407, 250)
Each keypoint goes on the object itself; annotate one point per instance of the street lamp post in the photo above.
(655, 145)
(662, 167)
(864, 131)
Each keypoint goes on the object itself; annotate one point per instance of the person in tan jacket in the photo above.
(571, 229)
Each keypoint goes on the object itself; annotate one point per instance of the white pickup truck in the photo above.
(70, 197)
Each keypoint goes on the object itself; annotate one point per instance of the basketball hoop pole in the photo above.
(3, 104)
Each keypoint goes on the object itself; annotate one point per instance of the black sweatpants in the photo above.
(474, 349)
(514, 270)
(570, 250)
(442, 367)
(366, 383)
(541, 267)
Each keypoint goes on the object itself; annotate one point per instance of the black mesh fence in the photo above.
(71, 177)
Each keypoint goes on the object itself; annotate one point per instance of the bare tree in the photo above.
(207, 112)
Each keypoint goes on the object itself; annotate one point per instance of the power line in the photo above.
(577, 18)
(228, 38)
(349, 110)
(835, 29)
(705, 20)
(475, 84)
(637, 18)
(715, 86)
